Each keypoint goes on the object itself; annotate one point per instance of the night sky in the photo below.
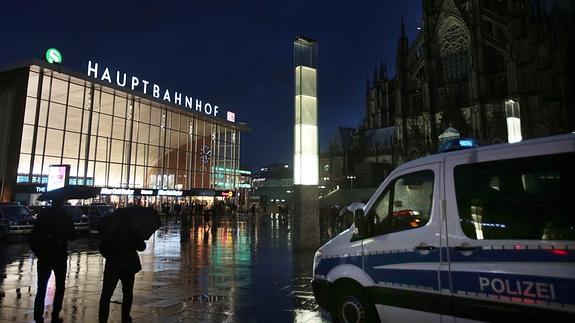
(236, 54)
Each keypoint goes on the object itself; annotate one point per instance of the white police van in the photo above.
(480, 234)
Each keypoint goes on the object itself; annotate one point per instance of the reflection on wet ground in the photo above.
(241, 270)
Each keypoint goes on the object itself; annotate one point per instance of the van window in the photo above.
(405, 204)
(523, 198)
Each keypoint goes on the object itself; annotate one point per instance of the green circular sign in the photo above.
(53, 56)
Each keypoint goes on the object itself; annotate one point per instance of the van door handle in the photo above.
(426, 248)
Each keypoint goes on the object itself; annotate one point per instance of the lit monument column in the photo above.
(306, 161)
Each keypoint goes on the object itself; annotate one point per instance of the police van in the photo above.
(477, 234)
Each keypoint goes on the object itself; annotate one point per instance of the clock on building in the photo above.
(205, 154)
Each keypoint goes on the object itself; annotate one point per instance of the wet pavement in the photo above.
(241, 270)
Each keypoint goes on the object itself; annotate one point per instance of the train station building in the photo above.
(116, 131)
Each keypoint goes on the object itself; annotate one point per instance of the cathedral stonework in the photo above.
(468, 58)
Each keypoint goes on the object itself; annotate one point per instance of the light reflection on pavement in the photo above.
(241, 270)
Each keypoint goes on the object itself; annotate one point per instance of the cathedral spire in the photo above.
(402, 28)
(367, 85)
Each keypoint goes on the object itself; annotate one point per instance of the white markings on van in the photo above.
(523, 288)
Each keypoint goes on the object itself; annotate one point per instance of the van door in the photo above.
(402, 245)
(511, 232)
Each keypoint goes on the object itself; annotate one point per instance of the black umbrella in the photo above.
(72, 192)
(344, 197)
(144, 219)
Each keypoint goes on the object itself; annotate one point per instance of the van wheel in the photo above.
(353, 306)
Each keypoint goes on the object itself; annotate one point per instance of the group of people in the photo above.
(217, 210)
(119, 245)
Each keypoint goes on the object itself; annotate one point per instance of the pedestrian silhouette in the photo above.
(120, 244)
(48, 241)
(185, 225)
(207, 218)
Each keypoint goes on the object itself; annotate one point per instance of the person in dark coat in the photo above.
(48, 241)
(207, 217)
(120, 245)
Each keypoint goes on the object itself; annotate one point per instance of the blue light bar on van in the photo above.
(458, 144)
(466, 143)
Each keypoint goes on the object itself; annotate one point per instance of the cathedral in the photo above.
(469, 59)
(472, 65)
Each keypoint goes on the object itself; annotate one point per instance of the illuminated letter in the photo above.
(156, 91)
(167, 96)
(542, 290)
(178, 98)
(508, 288)
(135, 82)
(118, 79)
(145, 86)
(198, 105)
(483, 282)
(527, 290)
(93, 69)
(497, 285)
(206, 108)
(215, 110)
(189, 103)
(106, 76)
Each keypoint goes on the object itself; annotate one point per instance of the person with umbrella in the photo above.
(124, 235)
(48, 241)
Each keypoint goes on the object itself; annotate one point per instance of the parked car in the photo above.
(19, 217)
(96, 212)
(81, 220)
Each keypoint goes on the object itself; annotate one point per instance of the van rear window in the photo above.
(523, 198)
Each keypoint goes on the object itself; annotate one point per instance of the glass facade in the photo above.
(112, 138)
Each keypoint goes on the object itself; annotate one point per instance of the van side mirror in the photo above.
(355, 206)
(360, 222)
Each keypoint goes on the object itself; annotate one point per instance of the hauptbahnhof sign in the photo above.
(139, 84)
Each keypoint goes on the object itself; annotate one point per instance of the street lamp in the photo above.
(351, 178)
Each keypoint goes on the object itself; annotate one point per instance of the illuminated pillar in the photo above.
(306, 160)
(305, 136)
(513, 121)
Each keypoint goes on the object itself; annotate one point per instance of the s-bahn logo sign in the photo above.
(53, 56)
(138, 84)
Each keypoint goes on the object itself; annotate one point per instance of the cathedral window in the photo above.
(454, 52)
